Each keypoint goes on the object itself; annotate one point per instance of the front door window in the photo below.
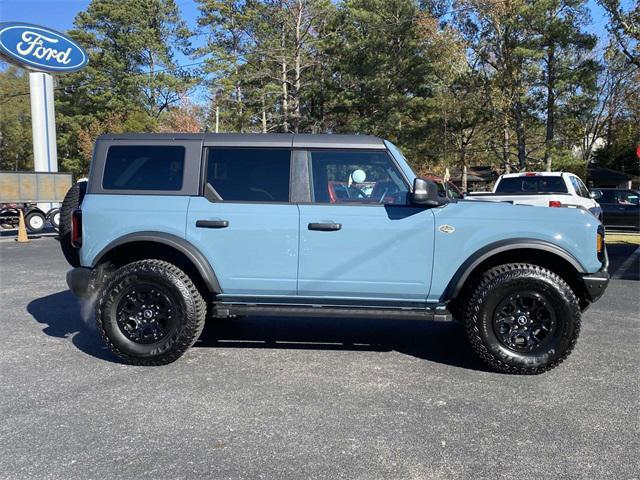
(340, 176)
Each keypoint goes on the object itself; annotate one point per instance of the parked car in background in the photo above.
(620, 208)
(541, 189)
(445, 189)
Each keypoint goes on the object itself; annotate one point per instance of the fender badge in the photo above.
(446, 229)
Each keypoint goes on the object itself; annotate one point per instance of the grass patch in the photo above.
(629, 238)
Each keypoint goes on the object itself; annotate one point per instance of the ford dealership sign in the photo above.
(40, 48)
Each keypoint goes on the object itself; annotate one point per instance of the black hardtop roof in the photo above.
(285, 140)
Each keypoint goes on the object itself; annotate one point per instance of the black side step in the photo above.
(437, 313)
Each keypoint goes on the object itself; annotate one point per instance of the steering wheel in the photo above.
(354, 192)
(387, 189)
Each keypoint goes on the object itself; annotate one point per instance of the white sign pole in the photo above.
(43, 126)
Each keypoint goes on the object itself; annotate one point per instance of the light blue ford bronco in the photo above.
(172, 229)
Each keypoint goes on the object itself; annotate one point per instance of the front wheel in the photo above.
(150, 312)
(522, 319)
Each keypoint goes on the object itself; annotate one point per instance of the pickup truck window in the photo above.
(534, 184)
(353, 176)
(249, 174)
(144, 168)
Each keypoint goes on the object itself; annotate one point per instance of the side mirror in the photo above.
(595, 195)
(425, 192)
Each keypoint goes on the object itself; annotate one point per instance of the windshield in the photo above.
(537, 184)
(402, 161)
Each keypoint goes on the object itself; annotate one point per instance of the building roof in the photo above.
(602, 174)
(284, 140)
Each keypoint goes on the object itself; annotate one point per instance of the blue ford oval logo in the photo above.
(40, 48)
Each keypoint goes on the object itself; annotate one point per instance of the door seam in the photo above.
(299, 235)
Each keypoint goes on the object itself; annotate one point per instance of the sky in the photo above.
(59, 15)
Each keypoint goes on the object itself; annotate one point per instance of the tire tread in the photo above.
(483, 287)
(191, 331)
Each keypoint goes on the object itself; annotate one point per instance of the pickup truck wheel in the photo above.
(149, 313)
(522, 319)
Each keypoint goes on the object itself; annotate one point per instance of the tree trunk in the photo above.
(463, 162)
(520, 136)
(264, 115)
(444, 137)
(239, 107)
(551, 106)
(505, 144)
(285, 93)
(298, 67)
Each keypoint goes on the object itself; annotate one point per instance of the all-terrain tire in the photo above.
(187, 319)
(72, 200)
(503, 283)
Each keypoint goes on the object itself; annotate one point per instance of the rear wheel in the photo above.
(35, 221)
(522, 319)
(149, 313)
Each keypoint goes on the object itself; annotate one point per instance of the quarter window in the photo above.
(580, 187)
(354, 176)
(249, 174)
(144, 168)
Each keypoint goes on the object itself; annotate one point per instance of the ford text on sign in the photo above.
(40, 48)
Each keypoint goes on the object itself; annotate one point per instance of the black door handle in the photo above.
(212, 223)
(325, 227)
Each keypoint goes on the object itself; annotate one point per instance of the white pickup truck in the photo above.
(541, 189)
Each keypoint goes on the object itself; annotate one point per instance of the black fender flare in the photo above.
(180, 244)
(462, 274)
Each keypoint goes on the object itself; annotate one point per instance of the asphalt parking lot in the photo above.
(307, 398)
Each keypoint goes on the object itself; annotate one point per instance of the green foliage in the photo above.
(510, 83)
(131, 75)
(15, 121)
(564, 160)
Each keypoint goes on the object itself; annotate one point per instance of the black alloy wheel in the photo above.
(146, 313)
(525, 321)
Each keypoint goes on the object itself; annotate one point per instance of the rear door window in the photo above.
(145, 167)
(249, 174)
